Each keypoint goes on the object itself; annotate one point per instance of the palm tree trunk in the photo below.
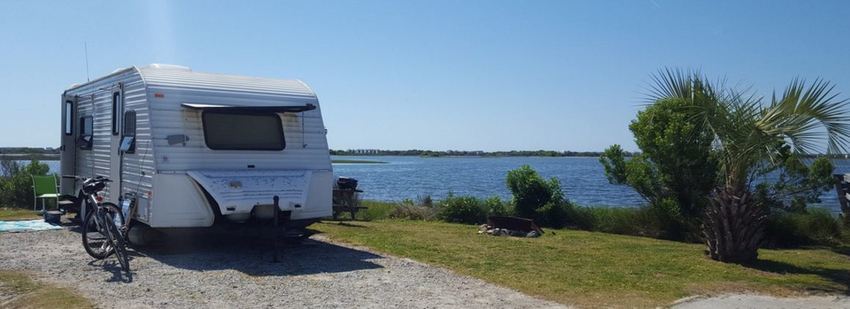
(733, 226)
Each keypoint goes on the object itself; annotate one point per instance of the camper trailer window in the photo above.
(115, 97)
(86, 129)
(69, 117)
(128, 137)
(243, 131)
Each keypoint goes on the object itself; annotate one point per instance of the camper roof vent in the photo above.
(169, 67)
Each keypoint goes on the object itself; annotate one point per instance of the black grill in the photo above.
(346, 183)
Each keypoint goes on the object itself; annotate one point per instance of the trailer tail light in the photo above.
(158, 95)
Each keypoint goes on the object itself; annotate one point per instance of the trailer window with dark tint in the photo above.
(243, 131)
(86, 136)
(116, 96)
(128, 136)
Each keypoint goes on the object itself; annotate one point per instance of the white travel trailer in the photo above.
(192, 149)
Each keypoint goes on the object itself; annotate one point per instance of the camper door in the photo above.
(116, 110)
(67, 148)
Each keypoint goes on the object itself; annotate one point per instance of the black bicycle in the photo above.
(103, 224)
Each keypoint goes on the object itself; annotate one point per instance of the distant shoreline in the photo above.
(349, 161)
(465, 153)
(52, 154)
(49, 153)
(30, 157)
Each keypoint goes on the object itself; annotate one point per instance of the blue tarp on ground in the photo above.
(26, 226)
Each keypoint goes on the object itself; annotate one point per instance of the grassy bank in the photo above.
(17, 214)
(20, 291)
(784, 229)
(597, 269)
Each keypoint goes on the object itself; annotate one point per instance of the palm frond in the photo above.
(670, 83)
(747, 133)
(809, 116)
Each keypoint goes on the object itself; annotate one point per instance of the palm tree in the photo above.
(750, 136)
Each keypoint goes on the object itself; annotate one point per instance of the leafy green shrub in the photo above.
(16, 185)
(613, 161)
(462, 209)
(530, 191)
(813, 227)
(670, 223)
(495, 206)
(676, 161)
(406, 209)
(580, 217)
(796, 184)
(648, 221)
(537, 198)
(679, 150)
(616, 220)
(554, 214)
(375, 210)
(425, 200)
(412, 212)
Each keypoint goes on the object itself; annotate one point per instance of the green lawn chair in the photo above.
(44, 188)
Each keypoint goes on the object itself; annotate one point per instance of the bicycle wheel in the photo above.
(95, 238)
(117, 219)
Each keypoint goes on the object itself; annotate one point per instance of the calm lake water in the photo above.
(408, 177)
(582, 178)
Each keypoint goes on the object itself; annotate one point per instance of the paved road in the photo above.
(765, 302)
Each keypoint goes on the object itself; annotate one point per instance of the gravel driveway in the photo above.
(213, 272)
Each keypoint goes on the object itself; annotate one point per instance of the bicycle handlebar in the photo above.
(96, 178)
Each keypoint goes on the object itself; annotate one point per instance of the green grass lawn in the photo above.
(33, 294)
(597, 269)
(18, 214)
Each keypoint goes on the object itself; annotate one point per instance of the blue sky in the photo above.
(466, 75)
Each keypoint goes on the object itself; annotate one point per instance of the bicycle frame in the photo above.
(101, 217)
(106, 219)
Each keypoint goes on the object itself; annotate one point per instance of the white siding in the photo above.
(95, 99)
(138, 167)
(156, 94)
(169, 88)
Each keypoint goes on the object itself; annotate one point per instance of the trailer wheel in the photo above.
(140, 234)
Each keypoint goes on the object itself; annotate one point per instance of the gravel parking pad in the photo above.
(215, 272)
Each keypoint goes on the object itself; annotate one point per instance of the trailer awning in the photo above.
(252, 108)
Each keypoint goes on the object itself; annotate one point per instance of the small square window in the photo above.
(86, 137)
(128, 136)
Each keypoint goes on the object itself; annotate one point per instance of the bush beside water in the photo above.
(542, 200)
(812, 227)
(785, 229)
(413, 212)
(16, 182)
